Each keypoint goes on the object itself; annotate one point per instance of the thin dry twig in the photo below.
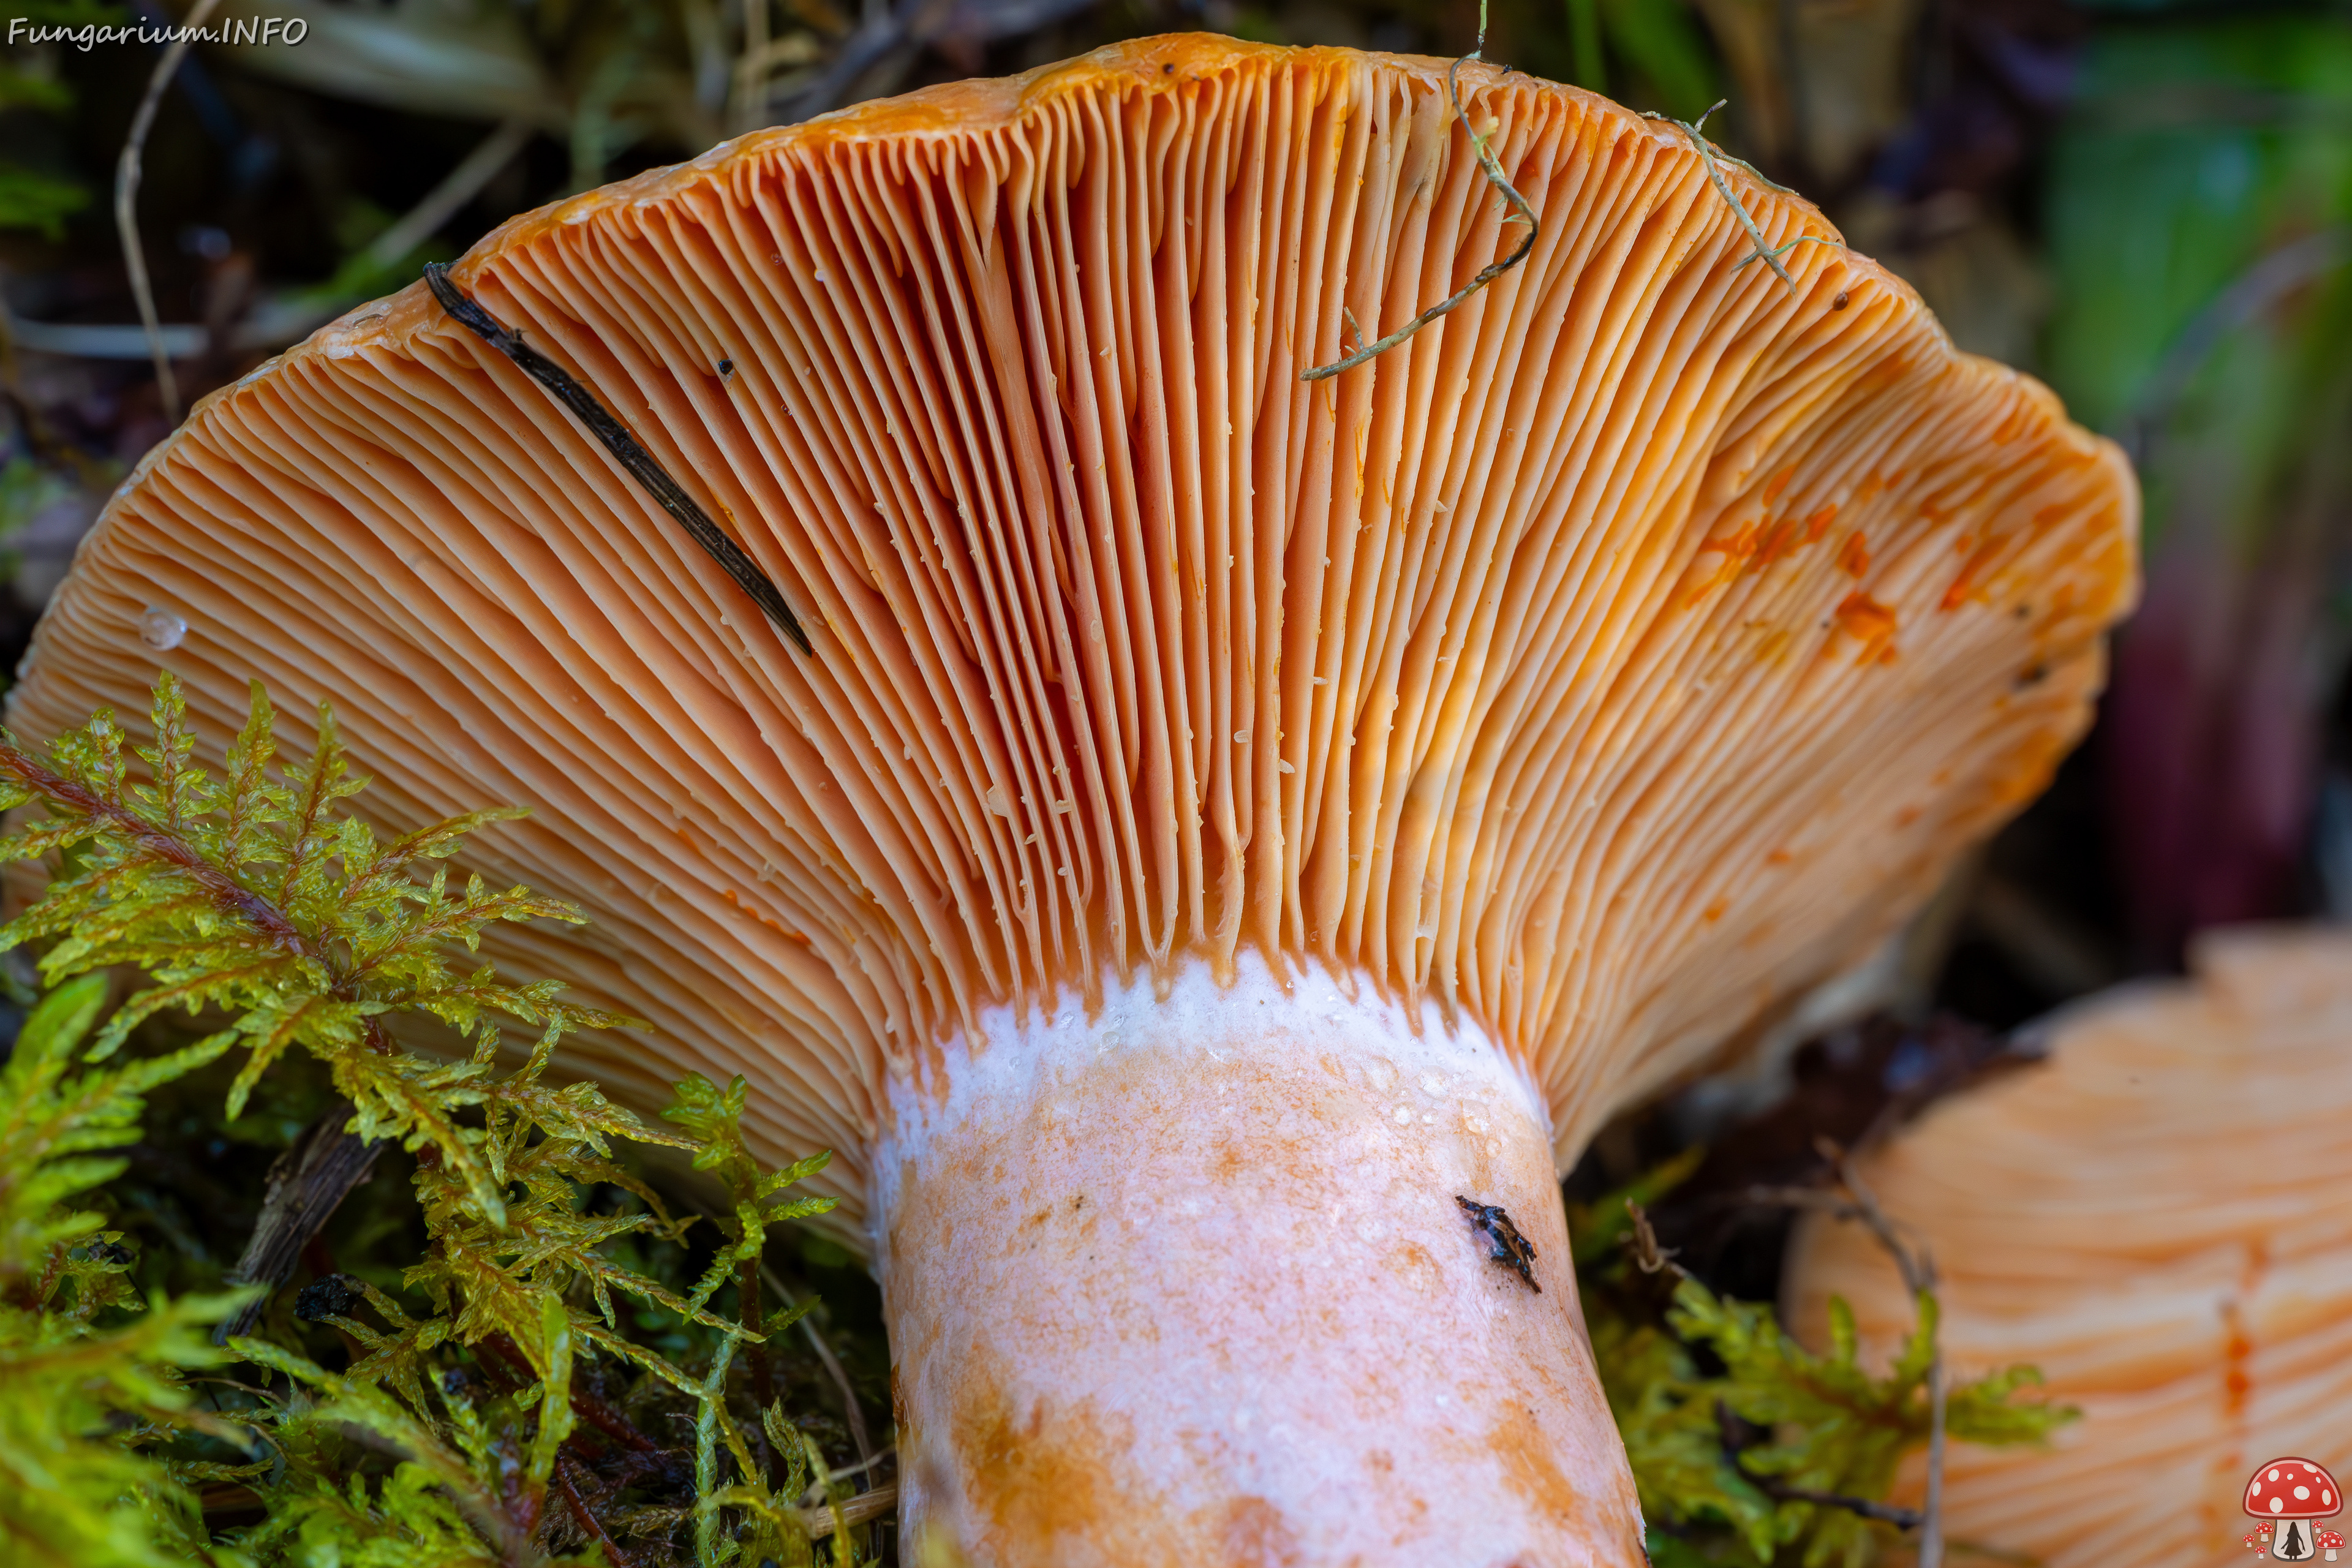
(1917, 1266)
(866, 1454)
(820, 1522)
(1884, 1512)
(1648, 1256)
(1917, 1269)
(459, 186)
(1690, 128)
(1764, 251)
(840, 1375)
(569, 1474)
(1523, 213)
(1931, 1523)
(127, 172)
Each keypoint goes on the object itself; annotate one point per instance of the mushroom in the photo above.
(2288, 1492)
(1231, 835)
(2155, 1217)
(2331, 1541)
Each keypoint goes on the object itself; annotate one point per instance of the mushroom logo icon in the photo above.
(2290, 1494)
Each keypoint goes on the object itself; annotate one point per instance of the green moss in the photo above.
(563, 1372)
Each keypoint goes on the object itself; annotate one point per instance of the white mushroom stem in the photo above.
(1187, 1281)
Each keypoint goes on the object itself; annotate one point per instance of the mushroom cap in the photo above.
(1618, 658)
(2293, 1489)
(2158, 1216)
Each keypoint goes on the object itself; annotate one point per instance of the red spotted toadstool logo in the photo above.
(2291, 1497)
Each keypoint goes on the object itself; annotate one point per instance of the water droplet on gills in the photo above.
(161, 630)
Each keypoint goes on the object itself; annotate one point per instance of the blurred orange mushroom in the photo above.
(1231, 835)
(2161, 1217)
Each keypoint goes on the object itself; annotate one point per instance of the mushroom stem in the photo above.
(1189, 1281)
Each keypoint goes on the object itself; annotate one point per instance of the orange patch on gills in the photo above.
(1853, 558)
(2056, 512)
(1967, 584)
(1868, 622)
(1819, 523)
(1779, 539)
(1780, 482)
(1736, 550)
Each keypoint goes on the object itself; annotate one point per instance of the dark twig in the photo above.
(1493, 170)
(1734, 1438)
(568, 1471)
(1917, 1266)
(1917, 1269)
(306, 1184)
(763, 1381)
(1885, 1512)
(839, 1373)
(625, 448)
(585, 1404)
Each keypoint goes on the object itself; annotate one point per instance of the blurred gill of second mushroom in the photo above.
(1233, 833)
(2159, 1218)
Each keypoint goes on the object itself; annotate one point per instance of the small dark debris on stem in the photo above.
(1508, 1246)
(625, 448)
